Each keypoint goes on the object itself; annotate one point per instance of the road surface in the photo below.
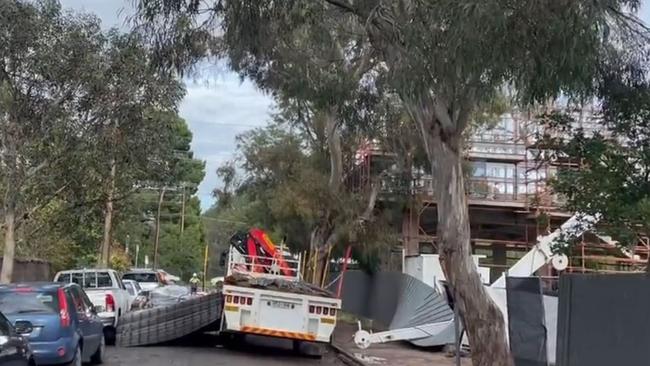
(255, 352)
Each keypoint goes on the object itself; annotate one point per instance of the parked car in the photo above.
(14, 348)
(140, 299)
(148, 279)
(106, 291)
(58, 320)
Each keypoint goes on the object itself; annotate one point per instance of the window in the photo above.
(130, 289)
(86, 300)
(64, 278)
(5, 326)
(141, 277)
(76, 300)
(478, 169)
(120, 284)
(26, 302)
(87, 279)
(104, 279)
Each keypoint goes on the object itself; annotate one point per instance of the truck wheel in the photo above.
(109, 336)
(297, 346)
(232, 340)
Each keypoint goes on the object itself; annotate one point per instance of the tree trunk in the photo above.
(335, 151)
(10, 243)
(10, 160)
(322, 236)
(481, 317)
(104, 258)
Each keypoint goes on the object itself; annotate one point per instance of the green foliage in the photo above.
(74, 101)
(179, 254)
(615, 162)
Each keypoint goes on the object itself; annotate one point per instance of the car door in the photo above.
(96, 327)
(86, 317)
(13, 349)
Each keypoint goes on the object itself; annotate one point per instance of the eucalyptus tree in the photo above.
(444, 58)
(46, 59)
(133, 110)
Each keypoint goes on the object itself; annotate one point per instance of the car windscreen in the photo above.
(87, 280)
(141, 277)
(25, 302)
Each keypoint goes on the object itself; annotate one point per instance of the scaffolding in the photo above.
(510, 203)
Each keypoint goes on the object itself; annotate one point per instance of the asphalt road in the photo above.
(256, 351)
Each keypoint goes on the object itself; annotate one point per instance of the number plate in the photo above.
(281, 305)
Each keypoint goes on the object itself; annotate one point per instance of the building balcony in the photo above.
(481, 191)
(497, 151)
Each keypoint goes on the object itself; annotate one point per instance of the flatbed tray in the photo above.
(276, 284)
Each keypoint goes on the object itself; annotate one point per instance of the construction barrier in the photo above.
(30, 270)
(167, 323)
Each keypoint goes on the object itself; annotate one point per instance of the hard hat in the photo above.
(194, 275)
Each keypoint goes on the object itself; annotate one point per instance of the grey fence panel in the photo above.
(526, 321)
(604, 320)
(27, 270)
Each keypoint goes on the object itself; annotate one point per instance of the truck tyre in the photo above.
(297, 346)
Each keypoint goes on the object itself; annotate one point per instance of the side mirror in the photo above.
(23, 327)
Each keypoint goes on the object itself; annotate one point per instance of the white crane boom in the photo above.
(542, 254)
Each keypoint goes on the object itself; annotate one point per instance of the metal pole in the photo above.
(205, 265)
(157, 238)
(183, 213)
(457, 329)
(137, 254)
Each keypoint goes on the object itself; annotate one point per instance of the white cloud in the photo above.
(217, 112)
(217, 107)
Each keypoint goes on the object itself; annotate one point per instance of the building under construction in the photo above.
(510, 202)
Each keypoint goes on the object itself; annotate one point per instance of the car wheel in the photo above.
(110, 335)
(76, 361)
(98, 357)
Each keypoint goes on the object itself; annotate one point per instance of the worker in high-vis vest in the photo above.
(194, 283)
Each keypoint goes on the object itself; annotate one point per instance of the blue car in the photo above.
(58, 320)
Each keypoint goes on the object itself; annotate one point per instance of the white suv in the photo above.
(148, 279)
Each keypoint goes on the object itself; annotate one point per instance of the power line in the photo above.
(204, 218)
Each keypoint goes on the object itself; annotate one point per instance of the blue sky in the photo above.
(217, 108)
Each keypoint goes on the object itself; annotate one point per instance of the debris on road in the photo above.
(166, 323)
